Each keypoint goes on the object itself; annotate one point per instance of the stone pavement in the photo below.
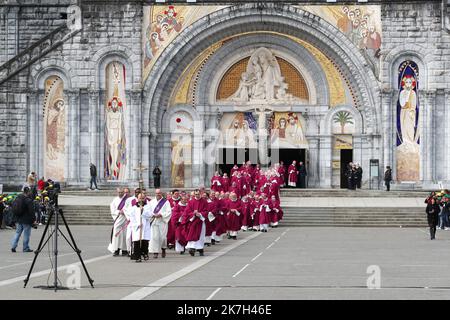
(285, 263)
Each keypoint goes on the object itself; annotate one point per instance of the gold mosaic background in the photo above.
(230, 81)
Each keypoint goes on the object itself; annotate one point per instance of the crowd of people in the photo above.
(438, 211)
(248, 201)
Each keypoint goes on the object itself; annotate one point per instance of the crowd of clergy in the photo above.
(247, 200)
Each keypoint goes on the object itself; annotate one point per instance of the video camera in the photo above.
(51, 190)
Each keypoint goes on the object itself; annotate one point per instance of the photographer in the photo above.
(23, 209)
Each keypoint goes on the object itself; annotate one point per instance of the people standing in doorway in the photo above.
(93, 172)
(292, 178)
(388, 178)
(302, 175)
(350, 174)
(157, 177)
(358, 175)
(432, 211)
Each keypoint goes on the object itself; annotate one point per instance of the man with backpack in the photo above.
(23, 210)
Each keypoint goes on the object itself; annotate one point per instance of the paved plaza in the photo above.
(283, 264)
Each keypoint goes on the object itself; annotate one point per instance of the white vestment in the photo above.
(127, 210)
(140, 223)
(159, 226)
(119, 232)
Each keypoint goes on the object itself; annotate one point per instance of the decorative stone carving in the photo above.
(262, 81)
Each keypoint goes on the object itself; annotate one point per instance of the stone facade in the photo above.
(114, 33)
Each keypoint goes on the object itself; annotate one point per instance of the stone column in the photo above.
(136, 143)
(389, 132)
(33, 131)
(73, 139)
(148, 151)
(427, 150)
(325, 153)
(93, 126)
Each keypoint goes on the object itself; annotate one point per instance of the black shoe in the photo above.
(13, 250)
(200, 251)
(182, 252)
(234, 237)
(28, 250)
(163, 254)
(145, 256)
(155, 256)
(228, 237)
(138, 260)
(213, 242)
(208, 244)
(124, 253)
(116, 253)
(192, 252)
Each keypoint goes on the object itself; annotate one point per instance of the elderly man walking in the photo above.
(161, 212)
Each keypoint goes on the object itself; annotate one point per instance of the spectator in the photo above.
(432, 211)
(24, 215)
(388, 178)
(359, 173)
(302, 175)
(93, 171)
(157, 177)
(41, 184)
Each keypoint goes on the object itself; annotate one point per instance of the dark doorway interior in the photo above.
(287, 156)
(228, 157)
(346, 158)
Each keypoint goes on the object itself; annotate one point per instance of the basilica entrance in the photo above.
(228, 157)
(346, 158)
(287, 156)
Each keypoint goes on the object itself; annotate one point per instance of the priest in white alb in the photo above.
(161, 212)
(119, 230)
(140, 216)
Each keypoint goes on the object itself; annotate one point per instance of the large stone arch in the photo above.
(240, 47)
(246, 18)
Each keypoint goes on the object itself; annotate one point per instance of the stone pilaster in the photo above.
(72, 143)
(135, 145)
(94, 155)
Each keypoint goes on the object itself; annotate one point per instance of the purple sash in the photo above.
(161, 203)
(122, 203)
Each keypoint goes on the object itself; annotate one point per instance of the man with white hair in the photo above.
(119, 230)
(140, 215)
(161, 211)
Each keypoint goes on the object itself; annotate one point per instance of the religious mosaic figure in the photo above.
(55, 118)
(115, 141)
(181, 127)
(408, 131)
(54, 129)
(287, 131)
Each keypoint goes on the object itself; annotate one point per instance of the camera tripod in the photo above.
(55, 212)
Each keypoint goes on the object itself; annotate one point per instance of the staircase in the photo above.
(87, 215)
(293, 216)
(354, 217)
(35, 52)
